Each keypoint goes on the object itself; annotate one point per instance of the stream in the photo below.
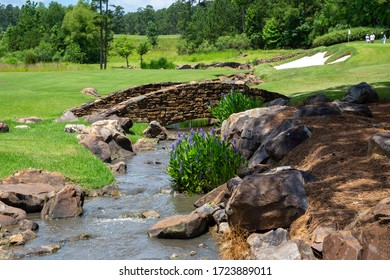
(113, 226)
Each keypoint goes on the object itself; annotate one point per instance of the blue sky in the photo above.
(129, 5)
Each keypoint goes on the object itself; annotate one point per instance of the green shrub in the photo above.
(200, 162)
(206, 47)
(237, 42)
(184, 47)
(161, 63)
(341, 36)
(30, 57)
(233, 102)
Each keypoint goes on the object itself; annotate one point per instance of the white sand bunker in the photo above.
(317, 59)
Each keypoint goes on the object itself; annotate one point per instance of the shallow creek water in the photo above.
(113, 226)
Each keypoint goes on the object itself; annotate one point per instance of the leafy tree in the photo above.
(118, 20)
(28, 32)
(152, 33)
(9, 16)
(142, 49)
(80, 31)
(123, 46)
(271, 33)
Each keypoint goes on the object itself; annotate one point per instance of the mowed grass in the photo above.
(368, 63)
(46, 91)
(47, 95)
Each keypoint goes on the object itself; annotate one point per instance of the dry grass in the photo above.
(232, 244)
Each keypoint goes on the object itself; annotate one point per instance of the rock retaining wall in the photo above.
(166, 103)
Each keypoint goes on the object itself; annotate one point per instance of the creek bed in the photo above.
(110, 227)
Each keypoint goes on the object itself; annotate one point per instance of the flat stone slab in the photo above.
(29, 197)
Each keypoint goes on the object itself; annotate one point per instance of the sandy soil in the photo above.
(348, 181)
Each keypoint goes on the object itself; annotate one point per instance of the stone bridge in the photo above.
(167, 103)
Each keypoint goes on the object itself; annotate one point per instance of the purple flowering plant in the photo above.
(201, 161)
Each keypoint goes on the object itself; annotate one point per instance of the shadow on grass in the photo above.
(382, 88)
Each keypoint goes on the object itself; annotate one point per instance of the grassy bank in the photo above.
(369, 63)
(46, 94)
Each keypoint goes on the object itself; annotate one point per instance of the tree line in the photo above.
(83, 33)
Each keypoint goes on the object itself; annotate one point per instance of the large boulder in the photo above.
(35, 176)
(250, 128)
(318, 109)
(218, 195)
(379, 143)
(29, 197)
(106, 140)
(10, 215)
(180, 227)
(361, 110)
(282, 140)
(372, 230)
(67, 203)
(361, 93)
(275, 245)
(4, 127)
(341, 245)
(267, 201)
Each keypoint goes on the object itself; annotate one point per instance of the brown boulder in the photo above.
(267, 201)
(29, 120)
(67, 203)
(34, 176)
(180, 227)
(10, 215)
(155, 130)
(90, 91)
(218, 195)
(145, 144)
(341, 245)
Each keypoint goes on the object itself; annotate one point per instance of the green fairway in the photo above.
(47, 95)
(368, 63)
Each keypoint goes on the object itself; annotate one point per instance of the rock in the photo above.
(180, 227)
(274, 245)
(29, 120)
(150, 214)
(280, 144)
(361, 93)
(233, 183)
(318, 109)
(35, 176)
(67, 203)
(250, 128)
(353, 109)
(17, 239)
(214, 197)
(68, 116)
(124, 122)
(90, 91)
(184, 67)
(317, 98)
(193, 253)
(305, 250)
(155, 130)
(28, 224)
(29, 197)
(145, 144)
(106, 140)
(74, 128)
(341, 245)
(4, 127)
(277, 101)
(372, 230)
(208, 210)
(94, 118)
(223, 228)
(118, 168)
(267, 201)
(379, 143)
(10, 215)
(319, 235)
(37, 251)
(220, 216)
(111, 190)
